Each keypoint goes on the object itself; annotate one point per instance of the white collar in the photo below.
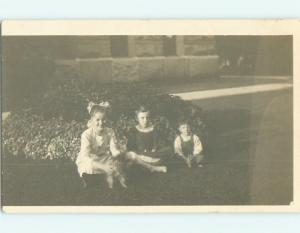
(147, 130)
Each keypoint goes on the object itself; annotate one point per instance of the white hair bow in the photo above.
(103, 104)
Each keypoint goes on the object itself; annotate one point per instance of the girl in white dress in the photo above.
(98, 151)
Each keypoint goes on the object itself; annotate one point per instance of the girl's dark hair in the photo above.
(142, 108)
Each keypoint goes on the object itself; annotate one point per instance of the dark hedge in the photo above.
(49, 126)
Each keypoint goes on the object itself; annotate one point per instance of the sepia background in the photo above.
(249, 154)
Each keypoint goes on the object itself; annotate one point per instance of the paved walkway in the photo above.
(214, 83)
(206, 94)
(260, 77)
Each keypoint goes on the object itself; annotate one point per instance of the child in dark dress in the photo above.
(188, 145)
(144, 139)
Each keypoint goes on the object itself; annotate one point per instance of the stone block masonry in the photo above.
(139, 68)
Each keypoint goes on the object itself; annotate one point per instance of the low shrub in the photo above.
(50, 126)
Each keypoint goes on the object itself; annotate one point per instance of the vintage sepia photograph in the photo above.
(161, 120)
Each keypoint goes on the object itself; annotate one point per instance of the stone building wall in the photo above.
(140, 58)
(30, 61)
(148, 46)
(199, 45)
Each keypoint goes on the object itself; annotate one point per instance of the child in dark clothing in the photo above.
(143, 138)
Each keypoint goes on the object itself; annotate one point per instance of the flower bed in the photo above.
(49, 126)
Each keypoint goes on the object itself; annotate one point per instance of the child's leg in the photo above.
(110, 180)
(84, 180)
(135, 158)
(189, 161)
(119, 173)
(149, 159)
(151, 168)
(121, 179)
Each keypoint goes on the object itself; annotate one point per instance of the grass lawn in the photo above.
(60, 185)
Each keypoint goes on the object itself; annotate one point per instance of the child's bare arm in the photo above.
(178, 149)
(197, 145)
(118, 146)
(115, 152)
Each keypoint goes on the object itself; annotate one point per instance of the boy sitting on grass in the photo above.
(188, 145)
